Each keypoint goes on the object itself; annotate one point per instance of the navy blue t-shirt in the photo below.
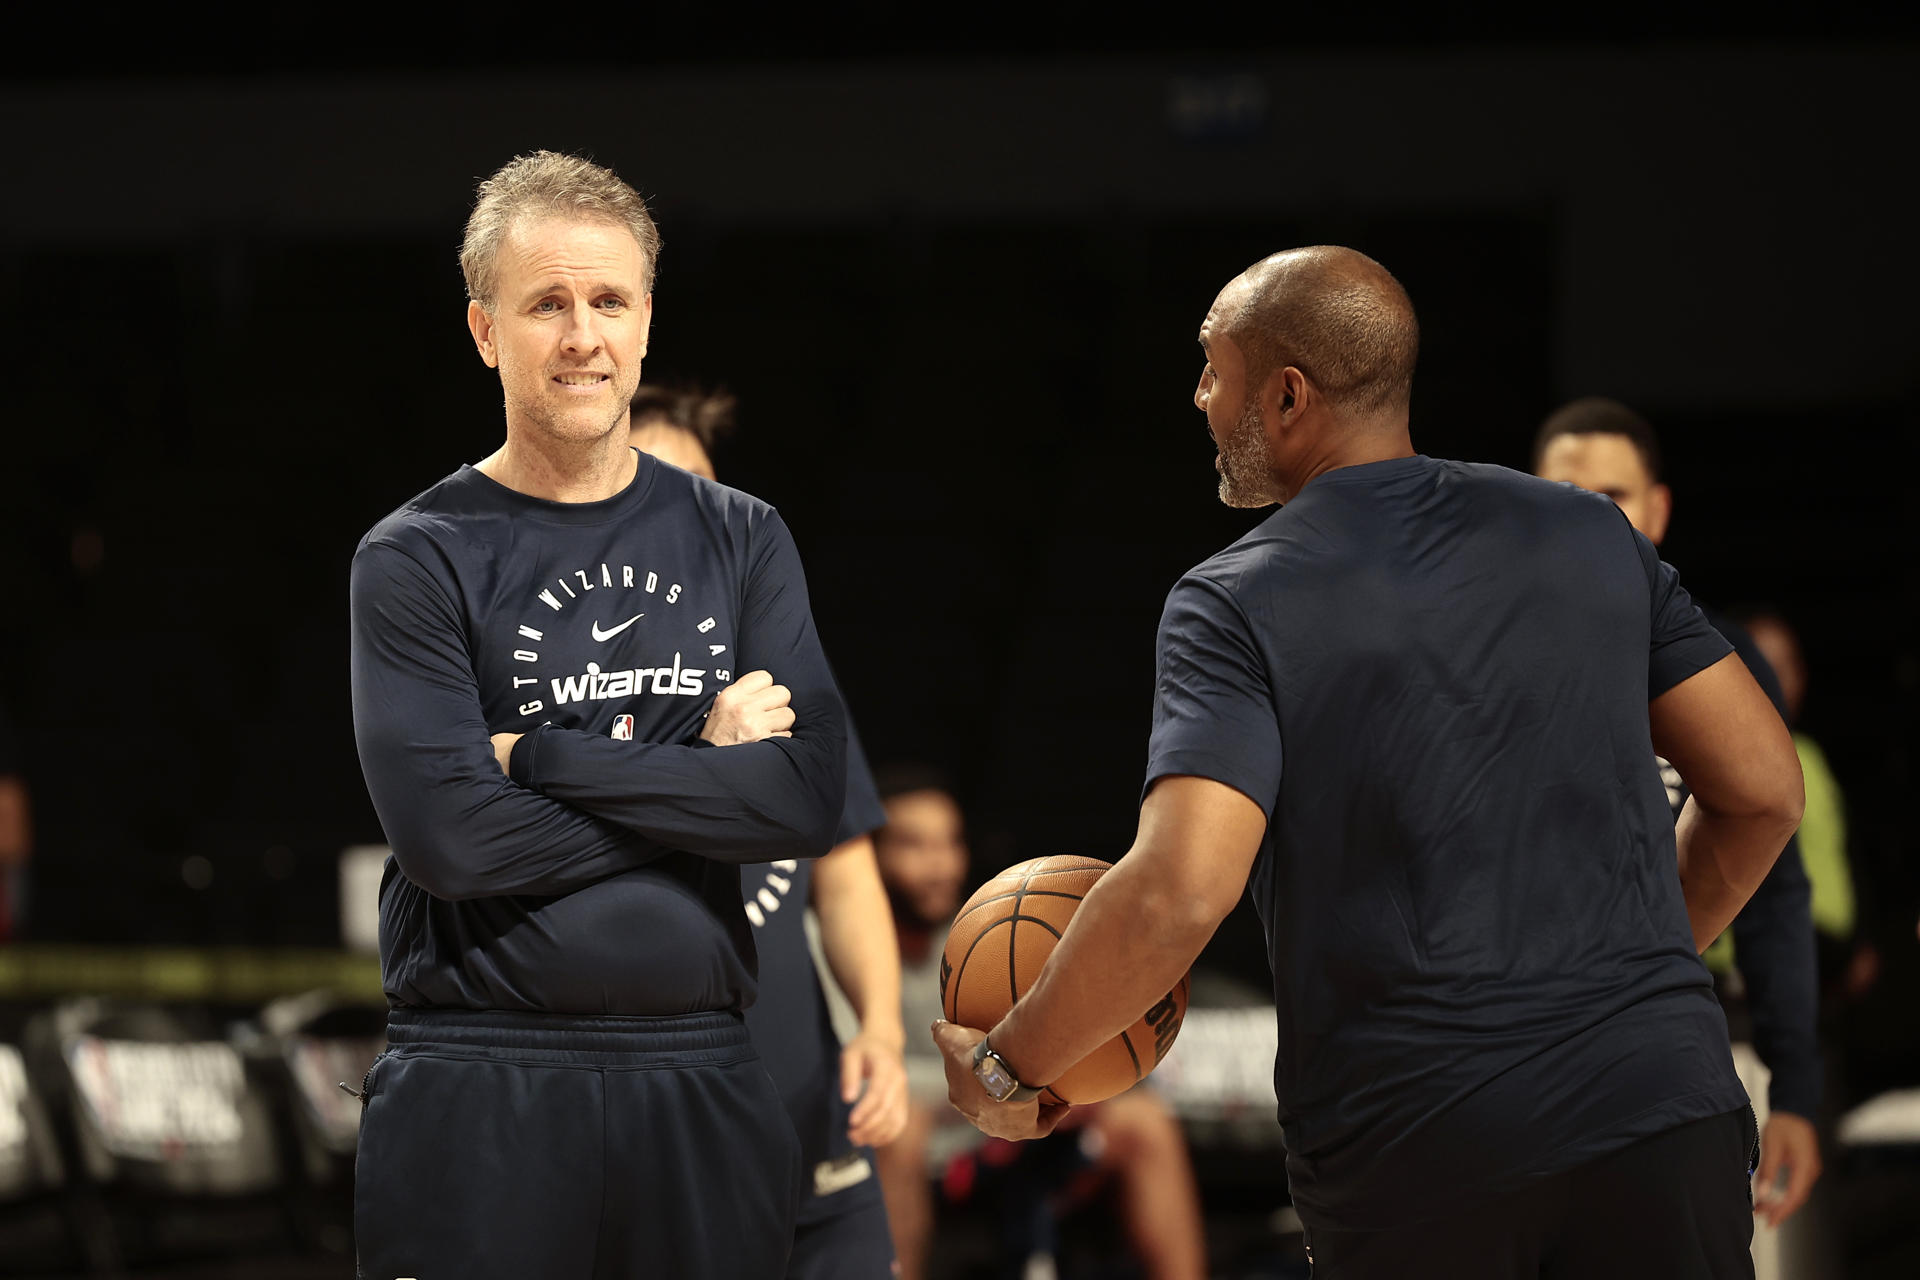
(603, 877)
(1433, 677)
(790, 1024)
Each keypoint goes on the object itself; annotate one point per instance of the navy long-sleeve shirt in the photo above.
(603, 876)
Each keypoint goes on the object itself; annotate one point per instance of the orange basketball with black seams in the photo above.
(999, 943)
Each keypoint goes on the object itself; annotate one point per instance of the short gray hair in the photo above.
(548, 184)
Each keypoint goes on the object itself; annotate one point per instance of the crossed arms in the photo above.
(586, 807)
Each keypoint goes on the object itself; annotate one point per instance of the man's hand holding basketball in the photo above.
(750, 709)
(1014, 1121)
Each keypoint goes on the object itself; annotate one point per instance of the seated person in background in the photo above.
(16, 830)
(1131, 1144)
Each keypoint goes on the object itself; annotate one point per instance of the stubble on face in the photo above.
(526, 403)
(1246, 470)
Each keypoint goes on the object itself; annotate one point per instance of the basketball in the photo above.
(999, 943)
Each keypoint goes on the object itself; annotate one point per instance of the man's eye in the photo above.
(546, 306)
(613, 304)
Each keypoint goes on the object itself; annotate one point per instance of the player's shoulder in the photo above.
(1220, 586)
(1501, 503)
(1230, 569)
(428, 517)
(1524, 486)
(1250, 565)
(723, 503)
(1330, 519)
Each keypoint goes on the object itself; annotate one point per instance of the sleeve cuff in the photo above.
(520, 759)
(1215, 768)
(1795, 1091)
(1683, 660)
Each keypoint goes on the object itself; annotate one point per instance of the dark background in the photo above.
(955, 287)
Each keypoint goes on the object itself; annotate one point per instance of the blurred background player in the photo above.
(1603, 446)
(1128, 1151)
(844, 1100)
(16, 831)
(1848, 964)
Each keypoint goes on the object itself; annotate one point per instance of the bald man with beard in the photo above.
(1409, 712)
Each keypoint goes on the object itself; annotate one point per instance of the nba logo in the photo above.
(623, 728)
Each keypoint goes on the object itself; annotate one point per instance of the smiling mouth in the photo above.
(581, 379)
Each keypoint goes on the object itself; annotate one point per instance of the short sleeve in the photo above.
(1682, 642)
(1213, 709)
(863, 813)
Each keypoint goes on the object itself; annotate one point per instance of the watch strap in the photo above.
(1021, 1092)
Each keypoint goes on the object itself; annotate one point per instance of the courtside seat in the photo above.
(29, 1153)
(1878, 1164)
(35, 1233)
(159, 1103)
(171, 1139)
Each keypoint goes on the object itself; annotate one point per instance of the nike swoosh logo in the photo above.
(611, 632)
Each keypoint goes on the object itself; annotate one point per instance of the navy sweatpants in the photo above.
(541, 1147)
(852, 1245)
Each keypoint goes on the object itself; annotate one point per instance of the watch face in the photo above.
(995, 1078)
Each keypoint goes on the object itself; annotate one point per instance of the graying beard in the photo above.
(1246, 451)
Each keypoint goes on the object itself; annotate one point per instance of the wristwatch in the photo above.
(997, 1078)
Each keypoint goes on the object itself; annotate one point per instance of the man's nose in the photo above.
(1200, 393)
(582, 336)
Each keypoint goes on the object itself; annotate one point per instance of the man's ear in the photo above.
(1284, 394)
(1659, 511)
(480, 325)
(646, 323)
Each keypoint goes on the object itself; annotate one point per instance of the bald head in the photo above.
(1336, 315)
